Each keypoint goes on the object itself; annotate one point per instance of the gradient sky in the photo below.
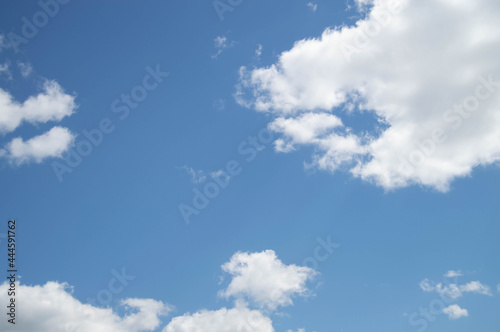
(119, 208)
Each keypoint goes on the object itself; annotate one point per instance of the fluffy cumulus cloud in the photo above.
(259, 277)
(52, 104)
(263, 279)
(455, 312)
(454, 291)
(239, 319)
(50, 144)
(51, 308)
(426, 70)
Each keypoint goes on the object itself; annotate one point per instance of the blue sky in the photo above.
(335, 116)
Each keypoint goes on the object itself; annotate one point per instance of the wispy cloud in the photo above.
(453, 274)
(199, 176)
(219, 104)
(4, 70)
(312, 6)
(455, 291)
(258, 51)
(25, 68)
(221, 43)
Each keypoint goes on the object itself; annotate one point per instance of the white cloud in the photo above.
(4, 70)
(239, 318)
(455, 312)
(264, 279)
(455, 291)
(25, 68)
(258, 51)
(219, 104)
(221, 43)
(312, 6)
(50, 144)
(51, 308)
(453, 274)
(50, 105)
(200, 176)
(363, 4)
(261, 277)
(422, 68)
(197, 176)
(316, 129)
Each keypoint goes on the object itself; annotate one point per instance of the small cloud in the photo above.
(455, 312)
(200, 176)
(313, 6)
(219, 104)
(265, 280)
(348, 6)
(258, 51)
(4, 70)
(50, 144)
(455, 291)
(25, 68)
(221, 43)
(453, 274)
(197, 176)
